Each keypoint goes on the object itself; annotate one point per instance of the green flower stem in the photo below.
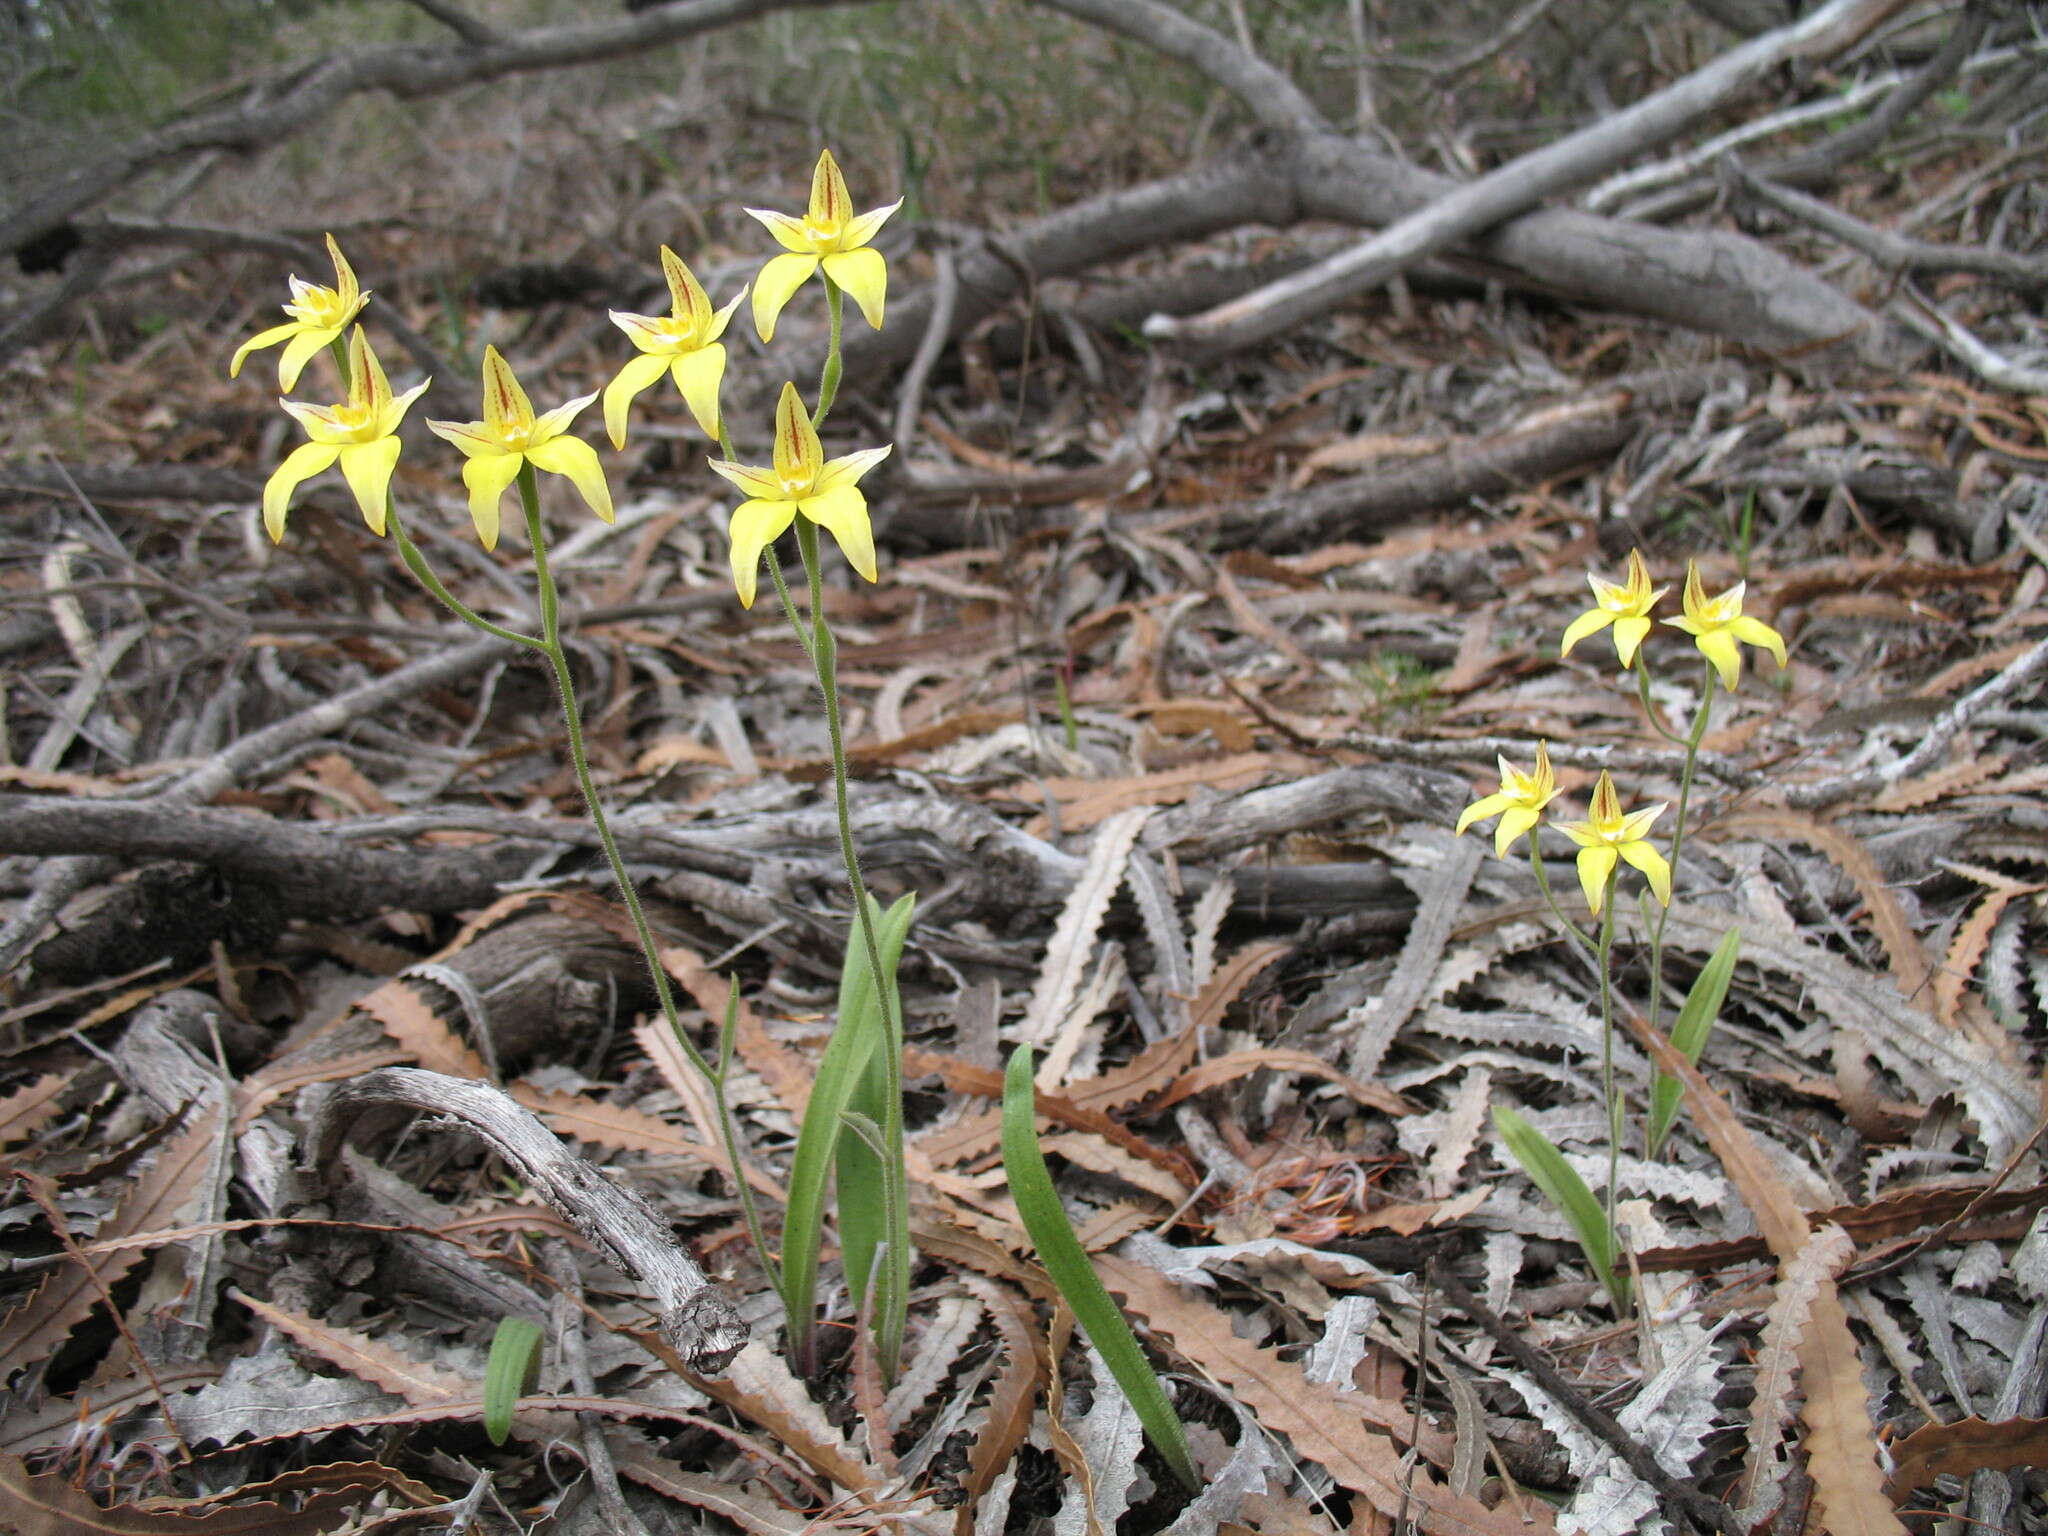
(828, 380)
(417, 563)
(1605, 952)
(1691, 743)
(1570, 928)
(1642, 671)
(825, 660)
(565, 685)
(796, 623)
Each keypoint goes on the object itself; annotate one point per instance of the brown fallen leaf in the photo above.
(47, 1505)
(1969, 1445)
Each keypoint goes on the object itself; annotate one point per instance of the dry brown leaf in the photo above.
(683, 1079)
(371, 1360)
(1219, 1070)
(366, 1476)
(1942, 784)
(758, 1386)
(28, 1107)
(1895, 1215)
(1329, 1427)
(1966, 950)
(288, 1074)
(1841, 1449)
(70, 1294)
(408, 1018)
(786, 1072)
(47, 1505)
(1969, 1445)
(719, 1495)
(1190, 717)
(1084, 802)
(1012, 1398)
(1759, 1491)
(612, 1125)
(1894, 929)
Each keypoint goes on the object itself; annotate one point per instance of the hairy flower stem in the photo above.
(424, 574)
(1691, 743)
(828, 379)
(1604, 950)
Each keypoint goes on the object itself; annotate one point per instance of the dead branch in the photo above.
(696, 1317)
(1521, 184)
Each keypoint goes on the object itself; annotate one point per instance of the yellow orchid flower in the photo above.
(830, 235)
(1717, 623)
(361, 433)
(683, 344)
(511, 435)
(318, 316)
(802, 480)
(1519, 805)
(1625, 605)
(1606, 836)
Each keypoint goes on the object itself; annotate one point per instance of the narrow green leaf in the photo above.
(856, 1038)
(1568, 1192)
(513, 1370)
(1689, 1033)
(1066, 1261)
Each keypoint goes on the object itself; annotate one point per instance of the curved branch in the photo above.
(295, 98)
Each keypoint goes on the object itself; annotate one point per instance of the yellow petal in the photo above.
(754, 526)
(299, 351)
(720, 320)
(830, 204)
(394, 411)
(1719, 647)
(799, 459)
(686, 295)
(863, 229)
(577, 461)
(487, 476)
(1514, 821)
(302, 463)
(789, 232)
(1629, 631)
(260, 340)
(1653, 866)
(848, 470)
(844, 511)
(1695, 593)
(1591, 622)
(368, 389)
(320, 422)
(697, 375)
(1605, 812)
(1756, 632)
(506, 408)
(472, 437)
(754, 482)
(345, 287)
(774, 288)
(864, 275)
(1596, 864)
(1479, 810)
(647, 332)
(368, 468)
(552, 424)
(638, 373)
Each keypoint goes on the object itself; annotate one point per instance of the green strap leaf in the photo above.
(1060, 1251)
(513, 1371)
(1568, 1192)
(1689, 1033)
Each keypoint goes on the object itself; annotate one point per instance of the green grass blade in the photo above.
(1568, 1192)
(1060, 1251)
(513, 1370)
(1689, 1033)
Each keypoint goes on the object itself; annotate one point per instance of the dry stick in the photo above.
(937, 331)
(60, 879)
(1521, 184)
(627, 1232)
(1932, 745)
(1709, 1513)
(597, 1452)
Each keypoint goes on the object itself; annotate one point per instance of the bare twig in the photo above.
(696, 1317)
(597, 1453)
(1520, 184)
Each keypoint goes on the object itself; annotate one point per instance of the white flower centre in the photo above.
(822, 232)
(515, 438)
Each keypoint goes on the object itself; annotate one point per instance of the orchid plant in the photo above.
(1607, 839)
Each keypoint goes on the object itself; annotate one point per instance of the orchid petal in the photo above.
(1629, 631)
(647, 332)
(1653, 866)
(368, 388)
(831, 203)
(720, 319)
(302, 463)
(394, 413)
(789, 232)
(865, 276)
(1719, 647)
(345, 288)
(1596, 864)
(258, 342)
(799, 457)
(320, 422)
(754, 526)
(368, 467)
(688, 300)
(844, 511)
(1591, 622)
(776, 286)
(550, 425)
(752, 480)
(576, 460)
(473, 438)
(1514, 821)
(638, 373)
(863, 229)
(848, 470)
(487, 477)
(1756, 632)
(506, 408)
(697, 375)
(299, 351)
(1479, 810)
